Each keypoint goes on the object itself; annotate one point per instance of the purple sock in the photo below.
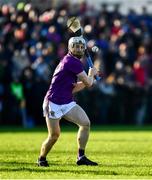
(80, 153)
(42, 158)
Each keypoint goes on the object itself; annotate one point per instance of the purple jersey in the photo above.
(60, 91)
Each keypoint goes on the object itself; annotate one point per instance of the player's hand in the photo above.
(92, 72)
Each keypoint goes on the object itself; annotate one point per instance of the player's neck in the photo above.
(76, 56)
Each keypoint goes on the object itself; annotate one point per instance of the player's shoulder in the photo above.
(72, 59)
(71, 62)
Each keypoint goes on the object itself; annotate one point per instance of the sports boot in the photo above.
(85, 161)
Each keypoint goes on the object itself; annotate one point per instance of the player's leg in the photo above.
(53, 134)
(78, 116)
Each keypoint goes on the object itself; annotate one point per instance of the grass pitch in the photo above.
(122, 152)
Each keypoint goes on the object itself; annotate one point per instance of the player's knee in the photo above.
(87, 125)
(54, 136)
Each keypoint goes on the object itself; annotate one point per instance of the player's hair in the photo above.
(75, 40)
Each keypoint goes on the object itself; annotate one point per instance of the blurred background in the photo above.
(33, 38)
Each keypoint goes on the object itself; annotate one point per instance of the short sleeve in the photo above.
(75, 66)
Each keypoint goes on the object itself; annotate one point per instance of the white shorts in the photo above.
(55, 111)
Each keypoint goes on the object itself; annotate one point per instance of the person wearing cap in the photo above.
(69, 77)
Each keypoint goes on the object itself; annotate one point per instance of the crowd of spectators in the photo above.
(32, 42)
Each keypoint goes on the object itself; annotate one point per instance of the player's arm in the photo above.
(78, 87)
(87, 79)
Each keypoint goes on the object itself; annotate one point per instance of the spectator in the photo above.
(33, 41)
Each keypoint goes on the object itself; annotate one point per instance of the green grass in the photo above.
(122, 152)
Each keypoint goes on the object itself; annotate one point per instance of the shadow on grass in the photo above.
(21, 164)
(56, 170)
(126, 165)
(55, 167)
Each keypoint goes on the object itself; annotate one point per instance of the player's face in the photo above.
(78, 50)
